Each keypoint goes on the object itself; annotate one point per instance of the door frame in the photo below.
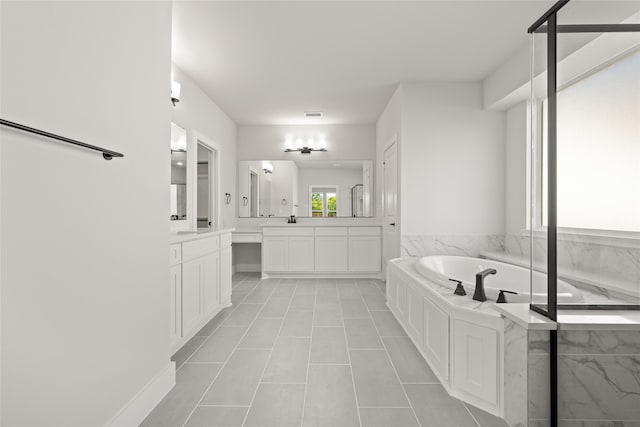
(385, 228)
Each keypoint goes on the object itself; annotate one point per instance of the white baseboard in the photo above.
(248, 268)
(137, 409)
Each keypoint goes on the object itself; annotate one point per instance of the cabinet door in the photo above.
(414, 323)
(301, 253)
(210, 287)
(475, 368)
(435, 341)
(364, 254)
(331, 253)
(275, 255)
(225, 276)
(191, 294)
(175, 291)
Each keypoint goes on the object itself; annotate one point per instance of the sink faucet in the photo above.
(479, 294)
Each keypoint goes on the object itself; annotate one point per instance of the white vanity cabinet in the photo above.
(347, 251)
(200, 283)
(364, 249)
(331, 249)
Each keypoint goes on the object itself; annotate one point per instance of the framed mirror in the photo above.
(178, 185)
(306, 188)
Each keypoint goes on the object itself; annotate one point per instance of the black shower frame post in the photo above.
(551, 310)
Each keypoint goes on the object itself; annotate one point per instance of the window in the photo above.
(324, 201)
(598, 150)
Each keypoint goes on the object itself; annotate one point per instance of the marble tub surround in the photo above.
(612, 267)
(464, 245)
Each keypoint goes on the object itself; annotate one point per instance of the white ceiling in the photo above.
(267, 62)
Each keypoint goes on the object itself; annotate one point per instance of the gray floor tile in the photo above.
(187, 350)
(386, 417)
(330, 399)
(376, 381)
(326, 283)
(327, 295)
(387, 324)
(485, 419)
(277, 405)
(302, 301)
(354, 308)
(349, 291)
(328, 345)
(220, 345)
(306, 287)
(238, 380)
(275, 307)
(361, 333)
(434, 407)
(297, 324)
(217, 416)
(367, 287)
(260, 294)
(375, 301)
(288, 362)
(214, 323)
(408, 362)
(284, 289)
(243, 315)
(262, 334)
(328, 315)
(238, 296)
(191, 382)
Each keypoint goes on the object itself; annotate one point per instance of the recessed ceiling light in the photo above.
(313, 114)
(179, 163)
(335, 165)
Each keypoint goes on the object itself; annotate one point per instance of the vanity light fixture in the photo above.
(267, 167)
(305, 148)
(175, 91)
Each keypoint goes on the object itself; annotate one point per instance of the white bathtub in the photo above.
(509, 277)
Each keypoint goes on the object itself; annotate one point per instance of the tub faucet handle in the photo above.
(501, 296)
(459, 288)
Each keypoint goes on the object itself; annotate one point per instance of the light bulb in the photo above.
(311, 143)
(299, 143)
(289, 144)
(322, 144)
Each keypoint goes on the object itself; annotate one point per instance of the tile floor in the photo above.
(307, 353)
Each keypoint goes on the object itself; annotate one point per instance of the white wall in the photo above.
(453, 157)
(84, 241)
(197, 112)
(516, 169)
(344, 142)
(344, 179)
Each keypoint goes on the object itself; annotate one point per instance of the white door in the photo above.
(225, 276)
(210, 286)
(176, 303)
(191, 295)
(364, 254)
(391, 247)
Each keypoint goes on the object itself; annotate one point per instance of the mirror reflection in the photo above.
(305, 188)
(178, 187)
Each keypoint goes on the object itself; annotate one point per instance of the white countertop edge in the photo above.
(286, 225)
(522, 315)
(195, 235)
(599, 320)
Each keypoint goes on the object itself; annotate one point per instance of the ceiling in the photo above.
(267, 62)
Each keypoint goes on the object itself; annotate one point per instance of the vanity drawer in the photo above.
(285, 231)
(197, 248)
(175, 254)
(364, 231)
(225, 240)
(331, 231)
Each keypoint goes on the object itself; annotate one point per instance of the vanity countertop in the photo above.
(185, 236)
(325, 224)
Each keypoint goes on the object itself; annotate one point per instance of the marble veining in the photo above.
(600, 387)
(599, 342)
(538, 386)
(515, 371)
(472, 246)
